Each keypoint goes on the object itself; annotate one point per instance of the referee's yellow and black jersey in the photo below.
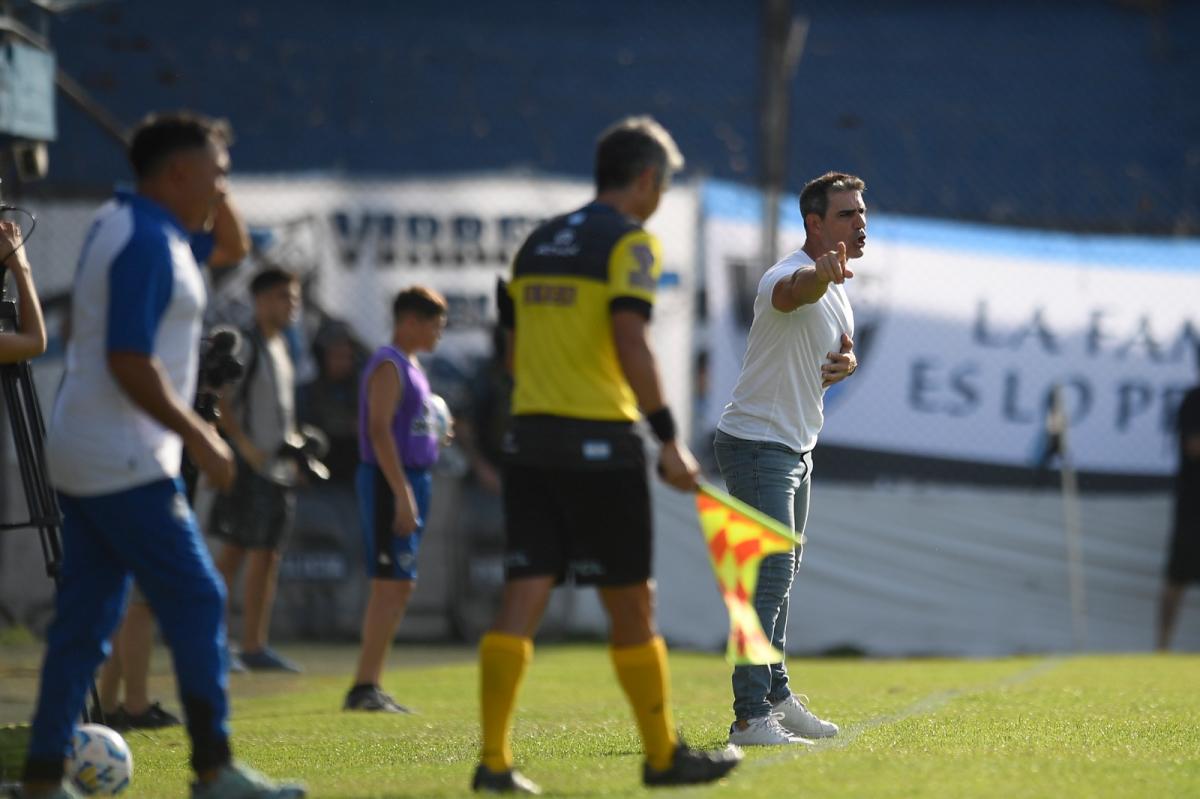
(567, 278)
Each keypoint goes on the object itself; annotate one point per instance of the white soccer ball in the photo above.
(99, 762)
(443, 420)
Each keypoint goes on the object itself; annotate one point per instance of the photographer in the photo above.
(29, 341)
(121, 420)
(257, 416)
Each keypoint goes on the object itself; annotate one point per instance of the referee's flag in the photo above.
(738, 538)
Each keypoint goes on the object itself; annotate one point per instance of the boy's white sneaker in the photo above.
(797, 719)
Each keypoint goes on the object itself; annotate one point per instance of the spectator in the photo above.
(1183, 563)
(258, 415)
(330, 402)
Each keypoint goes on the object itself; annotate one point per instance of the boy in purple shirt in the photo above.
(398, 445)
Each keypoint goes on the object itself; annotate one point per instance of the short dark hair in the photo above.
(814, 197)
(159, 136)
(271, 277)
(420, 301)
(631, 145)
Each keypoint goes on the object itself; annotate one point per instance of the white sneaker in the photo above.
(764, 731)
(799, 720)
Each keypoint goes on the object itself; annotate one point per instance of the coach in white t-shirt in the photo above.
(800, 343)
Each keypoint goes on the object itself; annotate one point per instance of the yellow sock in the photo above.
(642, 672)
(502, 662)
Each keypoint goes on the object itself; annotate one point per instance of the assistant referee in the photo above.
(576, 498)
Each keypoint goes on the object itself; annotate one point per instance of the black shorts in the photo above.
(1183, 560)
(255, 514)
(593, 525)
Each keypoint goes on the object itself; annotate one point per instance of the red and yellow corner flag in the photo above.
(738, 538)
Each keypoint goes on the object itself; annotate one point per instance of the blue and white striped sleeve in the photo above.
(139, 289)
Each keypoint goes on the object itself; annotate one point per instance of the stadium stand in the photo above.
(934, 101)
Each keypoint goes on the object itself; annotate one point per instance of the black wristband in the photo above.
(663, 424)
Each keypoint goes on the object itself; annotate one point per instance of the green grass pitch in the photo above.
(1090, 726)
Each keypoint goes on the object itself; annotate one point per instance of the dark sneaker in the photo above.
(267, 659)
(152, 718)
(511, 781)
(117, 720)
(235, 781)
(372, 698)
(691, 766)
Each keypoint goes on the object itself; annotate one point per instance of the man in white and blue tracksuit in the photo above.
(120, 424)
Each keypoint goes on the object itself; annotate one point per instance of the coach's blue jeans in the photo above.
(775, 480)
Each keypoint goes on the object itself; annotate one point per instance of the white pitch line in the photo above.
(922, 706)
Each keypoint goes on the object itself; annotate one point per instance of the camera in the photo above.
(299, 457)
(219, 366)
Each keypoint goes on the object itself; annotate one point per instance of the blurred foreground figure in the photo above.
(29, 339)
(127, 669)
(121, 422)
(576, 497)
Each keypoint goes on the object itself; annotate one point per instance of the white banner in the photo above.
(363, 240)
(367, 239)
(963, 329)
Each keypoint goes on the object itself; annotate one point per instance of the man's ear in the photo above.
(813, 223)
(175, 169)
(649, 178)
